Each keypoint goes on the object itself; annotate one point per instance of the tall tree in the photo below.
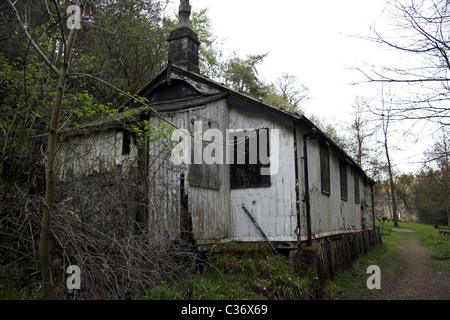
(404, 184)
(123, 43)
(44, 243)
(242, 75)
(360, 132)
(287, 93)
(386, 102)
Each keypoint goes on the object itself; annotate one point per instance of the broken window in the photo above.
(343, 176)
(126, 142)
(325, 169)
(251, 153)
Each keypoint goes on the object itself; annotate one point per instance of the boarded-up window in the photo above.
(357, 199)
(204, 175)
(325, 169)
(250, 152)
(343, 176)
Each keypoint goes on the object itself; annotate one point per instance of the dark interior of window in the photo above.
(325, 169)
(248, 174)
(126, 142)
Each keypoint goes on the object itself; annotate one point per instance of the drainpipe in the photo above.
(307, 196)
(297, 186)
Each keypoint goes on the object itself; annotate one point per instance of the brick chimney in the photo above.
(183, 42)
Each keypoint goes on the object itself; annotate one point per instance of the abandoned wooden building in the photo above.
(312, 192)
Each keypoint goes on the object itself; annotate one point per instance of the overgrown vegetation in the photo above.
(351, 284)
(252, 271)
(430, 237)
(236, 271)
(118, 257)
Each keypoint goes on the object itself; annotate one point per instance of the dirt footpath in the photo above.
(417, 280)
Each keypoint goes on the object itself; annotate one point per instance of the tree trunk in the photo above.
(391, 182)
(394, 200)
(44, 252)
(44, 242)
(386, 101)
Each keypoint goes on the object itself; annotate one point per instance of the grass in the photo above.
(430, 237)
(18, 279)
(237, 271)
(351, 284)
(251, 271)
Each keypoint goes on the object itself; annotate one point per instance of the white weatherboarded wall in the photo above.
(274, 207)
(82, 156)
(209, 208)
(330, 214)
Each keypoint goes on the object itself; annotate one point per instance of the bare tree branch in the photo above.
(422, 33)
(30, 39)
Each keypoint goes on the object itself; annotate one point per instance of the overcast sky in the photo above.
(314, 40)
(320, 42)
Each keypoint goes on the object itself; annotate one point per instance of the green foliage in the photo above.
(208, 287)
(260, 271)
(18, 277)
(440, 245)
(430, 197)
(237, 271)
(351, 283)
(161, 292)
(124, 45)
(153, 130)
(242, 75)
(431, 188)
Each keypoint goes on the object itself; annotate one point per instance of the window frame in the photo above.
(245, 176)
